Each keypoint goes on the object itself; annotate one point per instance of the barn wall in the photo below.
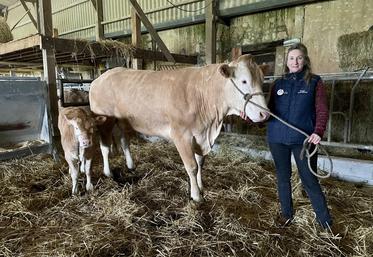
(325, 22)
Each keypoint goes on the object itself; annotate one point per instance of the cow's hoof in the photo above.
(132, 170)
(196, 204)
(108, 173)
(89, 187)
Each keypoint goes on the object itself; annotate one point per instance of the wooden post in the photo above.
(136, 37)
(211, 11)
(99, 18)
(49, 67)
(36, 6)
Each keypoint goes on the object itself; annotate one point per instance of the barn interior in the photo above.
(47, 46)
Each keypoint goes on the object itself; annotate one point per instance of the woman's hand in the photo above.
(314, 139)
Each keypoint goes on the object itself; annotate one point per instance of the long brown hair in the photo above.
(307, 61)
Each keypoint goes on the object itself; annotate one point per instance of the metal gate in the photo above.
(24, 127)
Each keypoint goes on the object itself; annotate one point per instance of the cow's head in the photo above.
(248, 77)
(84, 126)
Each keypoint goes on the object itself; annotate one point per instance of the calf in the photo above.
(78, 127)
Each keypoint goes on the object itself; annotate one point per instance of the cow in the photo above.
(185, 106)
(78, 129)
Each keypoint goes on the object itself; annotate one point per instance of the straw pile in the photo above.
(147, 213)
(111, 48)
(5, 33)
(355, 50)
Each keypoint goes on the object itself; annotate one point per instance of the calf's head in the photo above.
(247, 76)
(84, 125)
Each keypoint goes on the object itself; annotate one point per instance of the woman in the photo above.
(299, 97)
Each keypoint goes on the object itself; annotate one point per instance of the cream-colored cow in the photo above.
(78, 130)
(186, 106)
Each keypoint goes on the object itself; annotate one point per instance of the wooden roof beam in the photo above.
(29, 14)
(152, 31)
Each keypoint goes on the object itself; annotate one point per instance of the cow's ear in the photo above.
(265, 69)
(226, 71)
(100, 120)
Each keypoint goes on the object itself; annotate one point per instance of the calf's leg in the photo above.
(88, 186)
(74, 173)
(105, 142)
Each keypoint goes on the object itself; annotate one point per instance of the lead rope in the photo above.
(306, 146)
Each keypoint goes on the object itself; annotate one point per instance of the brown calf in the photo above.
(78, 131)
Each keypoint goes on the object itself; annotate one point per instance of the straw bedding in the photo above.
(148, 213)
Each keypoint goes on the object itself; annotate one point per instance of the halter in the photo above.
(247, 97)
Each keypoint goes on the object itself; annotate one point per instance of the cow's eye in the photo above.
(243, 81)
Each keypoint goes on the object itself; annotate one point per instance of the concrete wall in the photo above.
(317, 25)
(326, 21)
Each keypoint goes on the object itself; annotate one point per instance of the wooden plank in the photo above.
(29, 14)
(152, 31)
(211, 31)
(62, 45)
(158, 56)
(97, 4)
(32, 41)
(19, 63)
(49, 67)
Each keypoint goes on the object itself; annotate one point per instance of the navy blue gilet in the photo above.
(293, 101)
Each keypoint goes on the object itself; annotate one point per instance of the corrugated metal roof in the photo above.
(76, 18)
(8, 2)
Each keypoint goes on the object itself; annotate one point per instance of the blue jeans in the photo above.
(282, 157)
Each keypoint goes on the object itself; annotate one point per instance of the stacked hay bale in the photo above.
(355, 50)
(5, 33)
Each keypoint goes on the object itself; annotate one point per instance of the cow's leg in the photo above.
(105, 143)
(125, 144)
(88, 186)
(200, 161)
(184, 146)
(74, 173)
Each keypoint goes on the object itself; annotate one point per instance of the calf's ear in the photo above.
(100, 120)
(69, 116)
(226, 71)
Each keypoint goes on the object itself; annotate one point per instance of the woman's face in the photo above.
(295, 60)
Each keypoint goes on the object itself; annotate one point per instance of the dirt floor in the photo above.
(148, 213)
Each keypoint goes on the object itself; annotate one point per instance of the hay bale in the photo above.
(5, 33)
(355, 50)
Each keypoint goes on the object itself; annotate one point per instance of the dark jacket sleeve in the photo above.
(321, 105)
